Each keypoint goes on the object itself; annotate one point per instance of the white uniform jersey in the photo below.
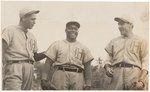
(131, 50)
(21, 46)
(66, 53)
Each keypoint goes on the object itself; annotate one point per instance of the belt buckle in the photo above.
(77, 70)
(123, 64)
(63, 68)
(30, 62)
(120, 65)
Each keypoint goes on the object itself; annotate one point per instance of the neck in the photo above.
(23, 27)
(71, 40)
(129, 35)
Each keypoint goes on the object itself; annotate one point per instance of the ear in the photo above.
(66, 30)
(23, 18)
(132, 25)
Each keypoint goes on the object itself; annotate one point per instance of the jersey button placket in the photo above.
(69, 54)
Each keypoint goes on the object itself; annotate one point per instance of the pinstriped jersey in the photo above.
(67, 53)
(132, 50)
(21, 45)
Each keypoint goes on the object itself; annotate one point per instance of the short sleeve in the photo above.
(52, 51)
(88, 56)
(144, 55)
(7, 35)
(109, 48)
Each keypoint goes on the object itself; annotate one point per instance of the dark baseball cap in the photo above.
(73, 23)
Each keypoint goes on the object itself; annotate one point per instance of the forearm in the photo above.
(39, 56)
(87, 73)
(4, 48)
(107, 62)
(143, 75)
(46, 69)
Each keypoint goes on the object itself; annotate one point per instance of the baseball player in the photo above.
(127, 62)
(19, 52)
(71, 61)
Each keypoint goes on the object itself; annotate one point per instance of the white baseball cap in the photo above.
(26, 11)
(124, 19)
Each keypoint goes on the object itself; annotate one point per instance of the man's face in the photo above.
(72, 32)
(29, 21)
(124, 28)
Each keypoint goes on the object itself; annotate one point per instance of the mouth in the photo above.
(73, 35)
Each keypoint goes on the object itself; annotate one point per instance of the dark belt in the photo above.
(78, 70)
(122, 64)
(20, 61)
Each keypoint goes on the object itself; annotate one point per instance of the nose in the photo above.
(119, 26)
(33, 22)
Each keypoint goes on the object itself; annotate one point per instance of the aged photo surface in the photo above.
(64, 45)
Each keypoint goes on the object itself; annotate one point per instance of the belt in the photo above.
(78, 70)
(122, 64)
(20, 61)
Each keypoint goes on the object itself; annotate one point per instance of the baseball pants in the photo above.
(123, 77)
(65, 80)
(18, 76)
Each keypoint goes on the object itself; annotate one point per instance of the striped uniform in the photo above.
(66, 53)
(21, 47)
(132, 50)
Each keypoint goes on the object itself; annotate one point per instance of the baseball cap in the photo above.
(124, 19)
(73, 23)
(26, 11)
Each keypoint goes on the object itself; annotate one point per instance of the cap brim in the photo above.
(33, 12)
(121, 20)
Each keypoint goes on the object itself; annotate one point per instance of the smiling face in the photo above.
(72, 32)
(29, 21)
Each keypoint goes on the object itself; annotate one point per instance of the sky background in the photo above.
(96, 19)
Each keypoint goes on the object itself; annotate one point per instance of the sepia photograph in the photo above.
(74, 45)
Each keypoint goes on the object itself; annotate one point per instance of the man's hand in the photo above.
(109, 71)
(138, 85)
(87, 88)
(44, 84)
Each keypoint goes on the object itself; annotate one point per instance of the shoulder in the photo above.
(135, 37)
(11, 28)
(114, 40)
(57, 43)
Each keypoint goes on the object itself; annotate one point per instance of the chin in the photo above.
(73, 38)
